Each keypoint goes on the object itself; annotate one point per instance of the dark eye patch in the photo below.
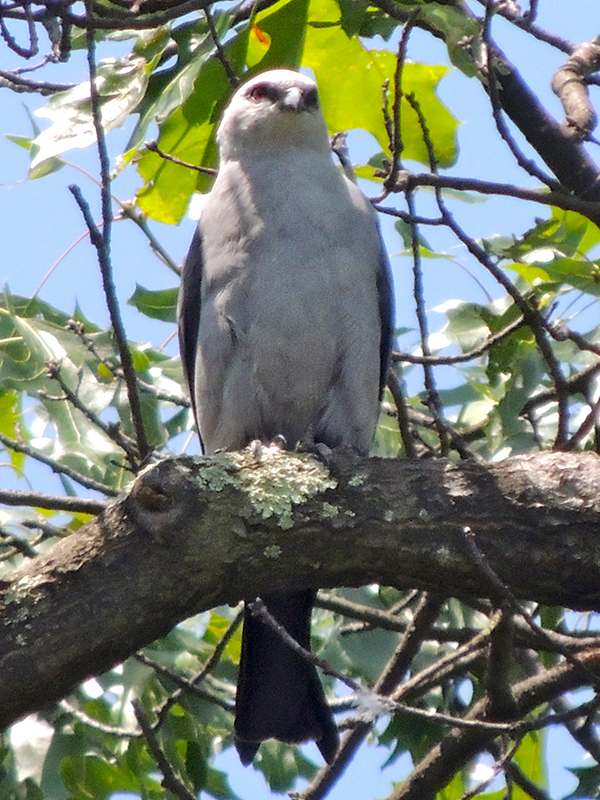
(264, 91)
(311, 98)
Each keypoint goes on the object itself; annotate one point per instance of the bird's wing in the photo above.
(385, 292)
(190, 298)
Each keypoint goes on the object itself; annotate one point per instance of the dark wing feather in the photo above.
(385, 291)
(190, 298)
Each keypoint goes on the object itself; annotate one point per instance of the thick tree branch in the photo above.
(195, 533)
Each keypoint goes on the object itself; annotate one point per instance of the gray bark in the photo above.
(192, 534)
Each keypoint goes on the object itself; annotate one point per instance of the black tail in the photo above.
(279, 694)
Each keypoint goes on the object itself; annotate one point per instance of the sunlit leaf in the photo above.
(121, 84)
(10, 412)
(160, 304)
(350, 80)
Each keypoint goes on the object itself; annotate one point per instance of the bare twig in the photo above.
(490, 72)
(74, 505)
(55, 466)
(170, 780)
(532, 317)
(133, 212)
(110, 430)
(154, 148)
(505, 596)
(476, 352)
(113, 730)
(128, 370)
(258, 608)
(424, 617)
(101, 241)
(24, 52)
(433, 398)
(397, 390)
(558, 198)
(186, 686)
(193, 683)
(396, 145)
(220, 52)
(14, 81)
(501, 764)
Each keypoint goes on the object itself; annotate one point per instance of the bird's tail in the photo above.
(279, 694)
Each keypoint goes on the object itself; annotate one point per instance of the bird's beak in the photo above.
(293, 100)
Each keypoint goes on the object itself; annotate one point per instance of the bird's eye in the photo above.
(264, 91)
(311, 99)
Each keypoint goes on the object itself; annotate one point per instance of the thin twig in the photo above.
(396, 145)
(170, 780)
(211, 663)
(220, 52)
(506, 596)
(96, 724)
(109, 429)
(101, 241)
(500, 765)
(135, 214)
(154, 148)
(526, 23)
(177, 400)
(533, 318)
(396, 388)
(558, 198)
(489, 51)
(23, 52)
(476, 352)
(17, 545)
(19, 84)
(258, 608)
(127, 367)
(424, 617)
(74, 505)
(186, 686)
(433, 398)
(89, 483)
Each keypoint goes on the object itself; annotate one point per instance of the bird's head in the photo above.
(279, 108)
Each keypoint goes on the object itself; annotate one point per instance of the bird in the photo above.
(285, 329)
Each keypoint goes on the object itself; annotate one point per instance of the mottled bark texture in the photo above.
(195, 533)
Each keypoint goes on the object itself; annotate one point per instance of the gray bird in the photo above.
(285, 328)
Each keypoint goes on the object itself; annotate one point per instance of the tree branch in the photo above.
(195, 533)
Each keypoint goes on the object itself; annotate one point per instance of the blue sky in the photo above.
(39, 221)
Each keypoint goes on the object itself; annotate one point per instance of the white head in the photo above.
(280, 109)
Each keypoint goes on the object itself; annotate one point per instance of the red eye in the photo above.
(264, 91)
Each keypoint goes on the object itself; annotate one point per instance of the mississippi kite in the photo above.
(285, 331)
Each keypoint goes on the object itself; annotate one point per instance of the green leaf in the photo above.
(187, 135)
(531, 760)
(161, 304)
(588, 786)
(285, 27)
(93, 776)
(416, 735)
(406, 233)
(10, 413)
(282, 765)
(454, 790)
(168, 89)
(353, 15)
(461, 32)
(350, 82)
(121, 85)
(217, 785)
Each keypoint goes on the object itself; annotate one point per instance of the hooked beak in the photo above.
(293, 100)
